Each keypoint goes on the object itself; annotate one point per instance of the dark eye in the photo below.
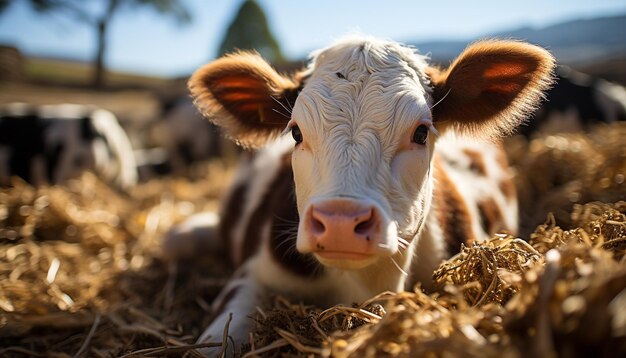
(420, 135)
(296, 134)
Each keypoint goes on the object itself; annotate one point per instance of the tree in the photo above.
(250, 31)
(80, 10)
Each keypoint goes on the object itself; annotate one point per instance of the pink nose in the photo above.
(342, 229)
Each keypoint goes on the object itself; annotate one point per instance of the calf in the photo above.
(53, 143)
(390, 166)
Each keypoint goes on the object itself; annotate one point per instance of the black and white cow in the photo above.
(577, 102)
(53, 143)
(385, 167)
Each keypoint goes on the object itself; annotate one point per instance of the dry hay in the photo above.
(558, 171)
(82, 274)
(502, 297)
(81, 268)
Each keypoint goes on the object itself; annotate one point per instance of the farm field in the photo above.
(49, 70)
(83, 272)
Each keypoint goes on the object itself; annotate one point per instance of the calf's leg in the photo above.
(234, 311)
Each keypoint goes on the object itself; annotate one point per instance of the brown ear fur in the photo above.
(491, 87)
(245, 96)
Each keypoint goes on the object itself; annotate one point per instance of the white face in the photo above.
(364, 119)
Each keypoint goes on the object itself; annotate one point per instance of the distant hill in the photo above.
(595, 46)
(577, 42)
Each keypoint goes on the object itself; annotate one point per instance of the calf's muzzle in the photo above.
(345, 229)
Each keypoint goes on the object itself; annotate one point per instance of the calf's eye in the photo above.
(420, 135)
(296, 134)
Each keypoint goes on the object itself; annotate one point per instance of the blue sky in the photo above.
(143, 42)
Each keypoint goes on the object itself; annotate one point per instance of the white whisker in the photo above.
(281, 113)
(289, 105)
(398, 266)
(441, 100)
(403, 242)
(434, 130)
(282, 105)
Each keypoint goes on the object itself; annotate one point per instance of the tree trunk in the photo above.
(98, 80)
(103, 24)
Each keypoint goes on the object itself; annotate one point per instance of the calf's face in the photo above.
(365, 116)
(361, 161)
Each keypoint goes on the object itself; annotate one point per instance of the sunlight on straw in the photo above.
(6, 305)
(67, 300)
(52, 271)
(152, 221)
(470, 332)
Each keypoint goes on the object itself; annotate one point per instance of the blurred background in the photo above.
(133, 57)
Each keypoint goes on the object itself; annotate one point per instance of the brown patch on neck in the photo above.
(277, 210)
(452, 213)
(491, 216)
(501, 157)
(285, 228)
(230, 215)
(477, 164)
(264, 214)
(508, 189)
(232, 210)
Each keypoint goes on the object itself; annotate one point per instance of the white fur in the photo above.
(123, 168)
(248, 296)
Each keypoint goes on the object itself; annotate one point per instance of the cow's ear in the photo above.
(245, 96)
(491, 87)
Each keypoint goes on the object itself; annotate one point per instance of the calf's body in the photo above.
(391, 164)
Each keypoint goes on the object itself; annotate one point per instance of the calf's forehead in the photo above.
(368, 55)
(366, 83)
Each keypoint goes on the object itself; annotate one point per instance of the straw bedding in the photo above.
(82, 272)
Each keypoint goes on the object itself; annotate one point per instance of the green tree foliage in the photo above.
(80, 10)
(250, 31)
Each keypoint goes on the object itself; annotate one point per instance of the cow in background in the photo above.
(576, 102)
(50, 144)
(183, 139)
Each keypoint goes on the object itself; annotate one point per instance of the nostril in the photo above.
(366, 223)
(364, 227)
(317, 227)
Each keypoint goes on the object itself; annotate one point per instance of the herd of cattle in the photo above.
(53, 143)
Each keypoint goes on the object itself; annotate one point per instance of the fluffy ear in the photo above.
(491, 88)
(245, 96)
